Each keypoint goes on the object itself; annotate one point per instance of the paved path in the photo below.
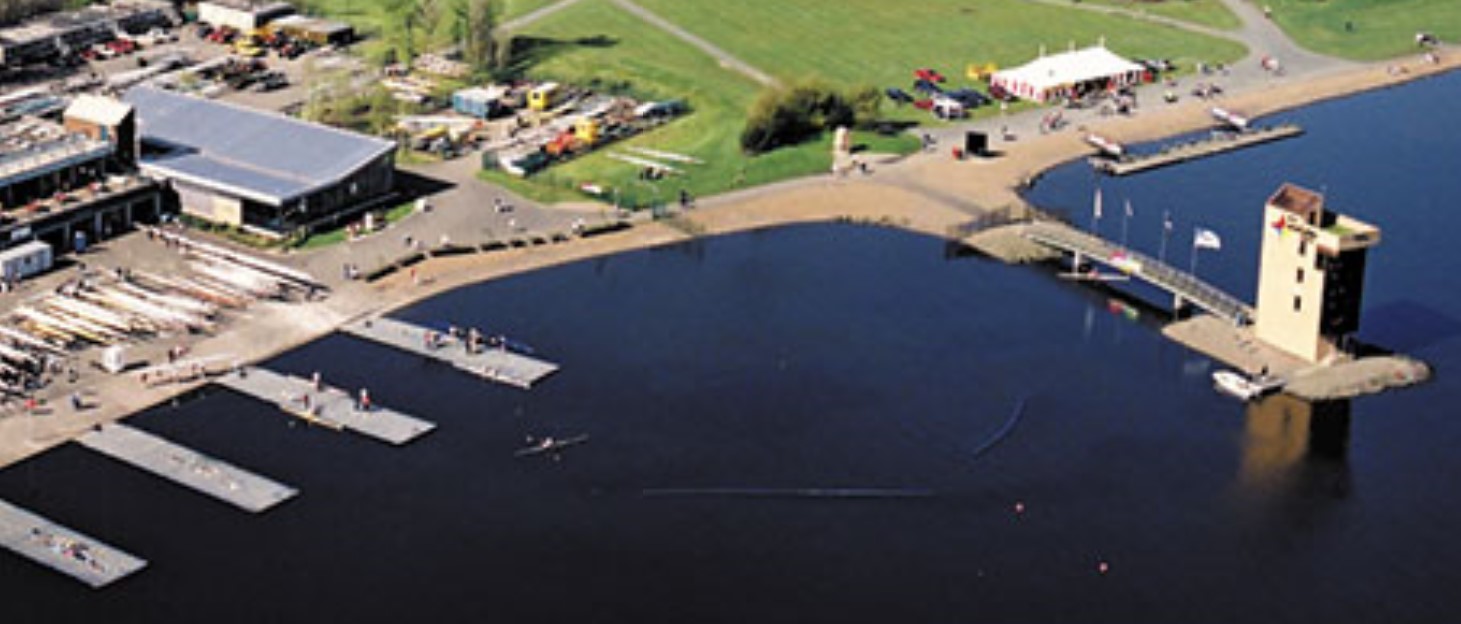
(529, 18)
(725, 58)
(1264, 38)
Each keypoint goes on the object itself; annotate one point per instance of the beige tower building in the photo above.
(1312, 273)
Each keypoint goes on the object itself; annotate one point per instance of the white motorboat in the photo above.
(1244, 388)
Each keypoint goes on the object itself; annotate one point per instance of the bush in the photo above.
(789, 116)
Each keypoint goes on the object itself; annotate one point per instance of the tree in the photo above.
(789, 116)
(481, 45)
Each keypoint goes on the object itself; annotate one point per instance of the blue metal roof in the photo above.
(262, 155)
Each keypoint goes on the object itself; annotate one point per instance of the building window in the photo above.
(1298, 303)
(1303, 246)
(1301, 276)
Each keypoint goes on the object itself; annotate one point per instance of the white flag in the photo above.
(1128, 209)
(1206, 239)
(1167, 221)
(1097, 209)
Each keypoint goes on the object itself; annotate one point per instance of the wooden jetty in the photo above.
(62, 549)
(187, 467)
(495, 364)
(326, 406)
(1216, 144)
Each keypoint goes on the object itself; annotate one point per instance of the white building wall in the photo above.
(218, 15)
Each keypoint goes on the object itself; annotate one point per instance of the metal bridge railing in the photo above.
(1158, 273)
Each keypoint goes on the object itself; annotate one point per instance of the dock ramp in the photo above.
(62, 549)
(494, 364)
(326, 406)
(166, 459)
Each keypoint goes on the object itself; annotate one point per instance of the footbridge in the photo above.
(1185, 287)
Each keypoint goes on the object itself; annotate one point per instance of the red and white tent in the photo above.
(1069, 74)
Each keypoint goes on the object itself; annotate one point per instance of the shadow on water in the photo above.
(1295, 457)
(1408, 325)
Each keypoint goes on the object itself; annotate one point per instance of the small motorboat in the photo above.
(1242, 387)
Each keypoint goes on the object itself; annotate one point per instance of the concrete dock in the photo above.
(62, 549)
(166, 459)
(1183, 152)
(494, 364)
(326, 406)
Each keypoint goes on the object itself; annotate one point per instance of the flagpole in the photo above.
(1193, 264)
(1125, 216)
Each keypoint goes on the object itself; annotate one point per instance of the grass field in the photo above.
(1204, 12)
(330, 237)
(595, 42)
(878, 42)
(1381, 28)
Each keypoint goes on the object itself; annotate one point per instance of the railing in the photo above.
(1160, 274)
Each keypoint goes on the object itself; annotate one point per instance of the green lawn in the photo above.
(330, 237)
(595, 41)
(1381, 28)
(879, 42)
(1203, 12)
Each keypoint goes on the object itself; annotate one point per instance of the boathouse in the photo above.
(260, 171)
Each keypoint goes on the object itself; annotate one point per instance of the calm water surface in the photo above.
(842, 357)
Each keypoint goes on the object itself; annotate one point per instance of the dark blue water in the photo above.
(838, 357)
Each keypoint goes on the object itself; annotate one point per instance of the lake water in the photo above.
(839, 356)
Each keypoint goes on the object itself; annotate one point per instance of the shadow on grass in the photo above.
(527, 51)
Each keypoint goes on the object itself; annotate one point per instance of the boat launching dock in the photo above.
(499, 364)
(1217, 143)
(66, 551)
(210, 476)
(326, 406)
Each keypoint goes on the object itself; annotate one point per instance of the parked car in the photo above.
(926, 87)
(968, 97)
(271, 81)
(928, 74)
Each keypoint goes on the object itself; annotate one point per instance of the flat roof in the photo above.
(97, 109)
(256, 154)
(311, 24)
(252, 6)
(31, 147)
(55, 24)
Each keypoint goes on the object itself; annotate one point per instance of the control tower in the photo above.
(1312, 274)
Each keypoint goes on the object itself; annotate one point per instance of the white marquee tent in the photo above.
(1069, 74)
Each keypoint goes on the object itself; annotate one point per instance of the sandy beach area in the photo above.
(927, 193)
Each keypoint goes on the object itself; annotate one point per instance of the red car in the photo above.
(928, 74)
